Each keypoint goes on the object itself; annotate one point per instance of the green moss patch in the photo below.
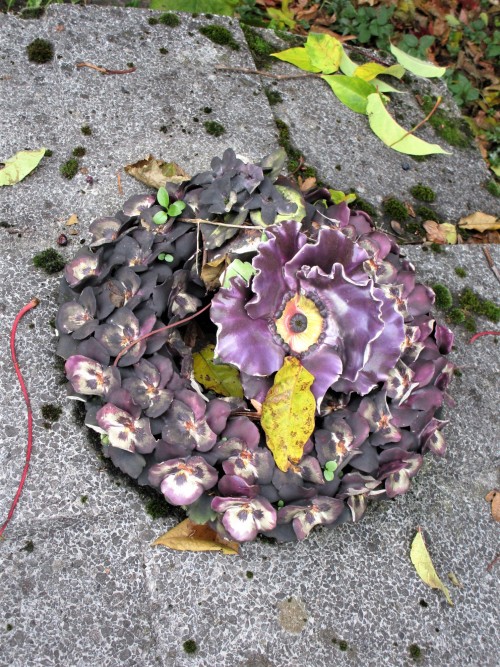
(219, 35)
(69, 168)
(79, 151)
(214, 128)
(395, 209)
(260, 48)
(452, 130)
(423, 193)
(51, 412)
(170, 20)
(190, 646)
(40, 51)
(273, 96)
(49, 260)
(86, 130)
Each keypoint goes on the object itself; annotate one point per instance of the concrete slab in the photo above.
(80, 585)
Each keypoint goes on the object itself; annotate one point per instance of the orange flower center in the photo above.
(300, 324)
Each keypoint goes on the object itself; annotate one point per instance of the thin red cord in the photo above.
(32, 304)
(484, 333)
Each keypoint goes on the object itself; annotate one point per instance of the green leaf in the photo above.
(338, 196)
(384, 87)
(351, 91)
(419, 67)
(20, 165)
(160, 218)
(161, 256)
(176, 208)
(369, 71)
(163, 198)
(297, 57)
(288, 413)
(347, 66)
(328, 475)
(221, 378)
(324, 51)
(392, 134)
(223, 7)
(238, 268)
(282, 17)
(424, 567)
(331, 465)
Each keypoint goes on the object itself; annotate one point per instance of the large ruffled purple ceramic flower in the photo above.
(316, 301)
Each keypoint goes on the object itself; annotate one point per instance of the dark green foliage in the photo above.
(493, 188)
(456, 316)
(29, 547)
(273, 96)
(32, 12)
(51, 412)
(49, 260)
(261, 49)
(423, 193)
(79, 151)
(69, 168)
(220, 35)
(157, 507)
(427, 213)
(153, 21)
(49, 153)
(395, 209)
(40, 51)
(214, 128)
(172, 20)
(444, 300)
(461, 272)
(473, 303)
(371, 25)
(414, 227)
(470, 324)
(363, 205)
(343, 645)
(163, 50)
(450, 129)
(415, 651)
(190, 646)
(86, 130)
(249, 574)
(83, 499)
(437, 248)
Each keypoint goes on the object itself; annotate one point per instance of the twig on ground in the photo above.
(491, 263)
(422, 122)
(119, 179)
(105, 70)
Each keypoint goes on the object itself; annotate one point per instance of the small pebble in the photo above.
(406, 166)
(62, 240)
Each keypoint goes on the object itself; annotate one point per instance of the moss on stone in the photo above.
(493, 188)
(170, 20)
(456, 316)
(363, 205)
(470, 324)
(461, 272)
(51, 412)
(29, 547)
(86, 130)
(452, 130)
(152, 20)
(163, 50)
(220, 35)
(83, 499)
(40, 51)
(473, 303)
(444, 300)
(79, 151)
(32, 12)
(437, 248)
(48, 152)
(157, 507)
(260, 48)
(423, 193)
(343, 645)
(190, 646)
(395, 209)
(273, 96)
(427, 213)
(294, 156)
(214, 128)
(414, 651)
(49, 260)
(69, 168)
(249, 574)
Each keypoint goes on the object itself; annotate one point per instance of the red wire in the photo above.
(32, 304)
(484, 333)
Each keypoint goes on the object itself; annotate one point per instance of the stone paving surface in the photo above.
(80, 585)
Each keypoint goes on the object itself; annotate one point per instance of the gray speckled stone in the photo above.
(93, 592)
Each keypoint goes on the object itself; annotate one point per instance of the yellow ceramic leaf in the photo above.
(19, 166)
(288, 413)
(481, 222)
(222, 378)
(424, 567)
(189, 536)
(369, 71)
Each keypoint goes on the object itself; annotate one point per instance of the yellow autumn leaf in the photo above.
(423, 565)
(19, 166)
(156, 173)
(481, 222)
(189, 536)
(440, 233)
(369, 71)
(222, 378)
(72, 220)
(288, 413)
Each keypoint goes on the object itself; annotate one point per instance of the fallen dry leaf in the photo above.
(423, 565)
(156, 173)
(444, 233)
(189, 536)
(481, 222)
(212, 271)
(307, 183)
(493, 497)
(72, 220)
(454, 579)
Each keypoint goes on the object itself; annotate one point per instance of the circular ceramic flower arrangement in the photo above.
(263, 357)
